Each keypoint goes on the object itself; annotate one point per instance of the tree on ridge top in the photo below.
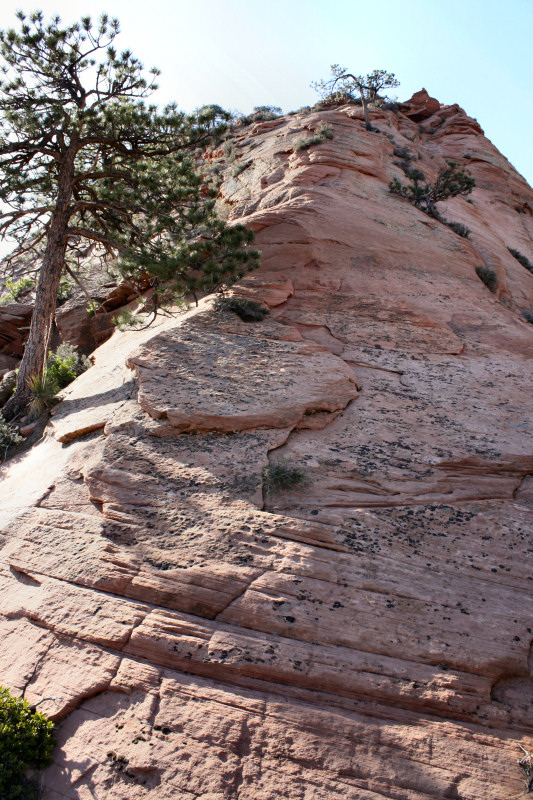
(84, 160)
(367, 86)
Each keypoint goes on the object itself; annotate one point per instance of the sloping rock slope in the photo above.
(367, 634)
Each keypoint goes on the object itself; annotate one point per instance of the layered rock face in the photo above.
(365, 634)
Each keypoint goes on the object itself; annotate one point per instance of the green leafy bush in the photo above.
(459, 229)
(43, 392)
(62, 367)
(451, 182)
(14, 289)
(65, 364)
(305, 144)
(247, 310)
(238, 168)
(65, 288)
(282, 476)
(488, 276)
(325, 130)
(8, 437)
(26, 742)
(92, 308)
(521, 259)
(127, 320)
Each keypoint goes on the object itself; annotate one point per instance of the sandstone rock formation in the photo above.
(367, 634)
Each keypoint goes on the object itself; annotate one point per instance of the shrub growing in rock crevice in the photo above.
(247, 310)
(459, 229)
(521, 259)
(451, 182)
(488, 276)
(282, 476)
(322, 132)
(8, 438)
(26, 742)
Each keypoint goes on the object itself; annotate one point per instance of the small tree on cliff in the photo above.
(367, 87)
(84, 160)
(451, 181)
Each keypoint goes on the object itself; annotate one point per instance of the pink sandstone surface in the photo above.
(366, 635)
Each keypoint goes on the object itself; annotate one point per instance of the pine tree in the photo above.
(343, 85)
(451, 181)
(85, 160)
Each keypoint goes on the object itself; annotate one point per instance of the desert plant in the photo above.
(26, 742)
(8, 437)
(305, 144)
(282, 476)
(459, 229)
(247, 310)
(367, 86)
(43, 392)
(521, 259)
(451, 182)
(127, 320)
(324, 129)
(65, 364)
(488, 276)
(528, 315)
(14, 289)
(65, 288)
(265, 113)
(92, 308)
(238, 168)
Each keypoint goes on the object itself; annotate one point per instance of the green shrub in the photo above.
(127, 320)
(281, 476)
(324, 130)
(64, 365)
(238, 168)
(92, 308)
(265, 113)
(459, 229)
(522, 259)
(26, 742)
(451, 182)
(403, 153)
(14, 289)
(43, 391)
(305, 144)
(8, 437)
(528, 316)
(247, 310)
(488, 276)
(65, 288)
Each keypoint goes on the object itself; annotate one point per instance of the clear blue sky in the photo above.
(242, 53)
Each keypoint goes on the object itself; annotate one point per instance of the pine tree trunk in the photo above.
(368, 124)
(35, 352)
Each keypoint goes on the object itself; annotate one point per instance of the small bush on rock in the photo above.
(459, 229)
(451, 182)
(488, 276)
(15, 289)
(127, 320)
(26, 742)
(64, 365)
(247, 310)
(281, 476)
(528, 316)
(325, 130)
(8, 437)
(521, 259)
